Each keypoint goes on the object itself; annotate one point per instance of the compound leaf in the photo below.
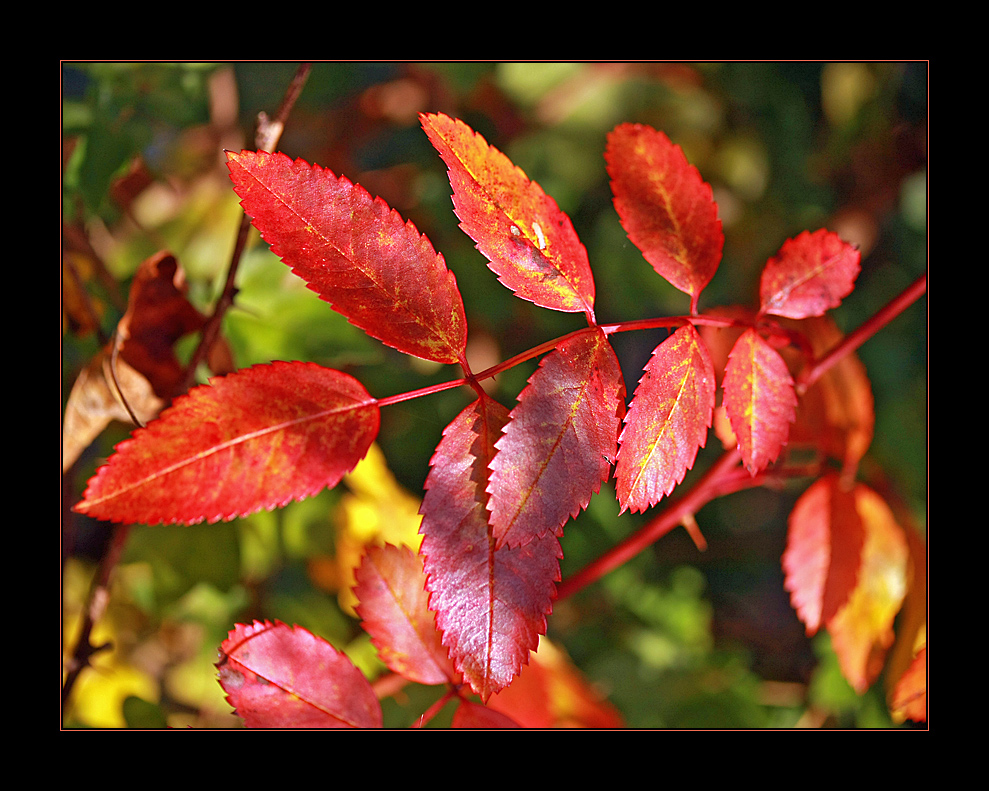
(759, 398)
(811, 274)
(665, 207)
(256, 439)
(529, 242)
(561, 440)
(667, 421)
(278, 676)
(491, 603)
(355, 252)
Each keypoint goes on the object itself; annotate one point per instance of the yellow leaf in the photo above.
(862, 631)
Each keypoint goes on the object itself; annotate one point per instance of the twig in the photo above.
(266, 138)
(706, 489)
(99, 596)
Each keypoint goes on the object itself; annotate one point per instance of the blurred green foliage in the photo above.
(677, 638)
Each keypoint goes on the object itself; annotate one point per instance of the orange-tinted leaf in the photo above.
(256, 439)
(560, 442)
(277, 676)
(529, 242)
(910, 697)
(667, 422)
(491, 604)
(862, 631)
(551, 693)
(355, 252)
(759, 398)
(394, 611)
(823, 552)
(665, 207)
(474, 715)
(837, 413)
(911, 621)
(811, 274)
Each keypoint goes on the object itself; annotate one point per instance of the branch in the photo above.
(99, 596)
(706, 489)
(268, 133)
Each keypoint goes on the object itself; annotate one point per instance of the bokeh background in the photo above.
(676, 637)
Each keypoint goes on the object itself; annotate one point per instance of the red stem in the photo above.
(706, 489)
(433, 710)
(718, 480)
(860, 335)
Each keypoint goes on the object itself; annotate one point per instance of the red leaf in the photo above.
(667, 422)
(759, 399)
(395, 612)
(474, 715)
(277, 676)
(665, 207)
(531, 245)
(256, 439)
(560, 442)
(823, 552)
(811, 274)
(355, 252)
(491, 604)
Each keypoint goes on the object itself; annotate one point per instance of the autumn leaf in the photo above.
(665, 207)
(256, 439)
(394, 612)
(560, 442)
(138, 372)
(837, 413)
(474, 715)
(491, 604)
(529, 242)
(277, 676)
(911, 627)
(158, 314)
(910, 696)
(95, 401)
(374, 510)
(823, 552)
(667, 421)
(811, 274)
(551, 693)
(862, 631)
(759, 398)
(355, 252)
